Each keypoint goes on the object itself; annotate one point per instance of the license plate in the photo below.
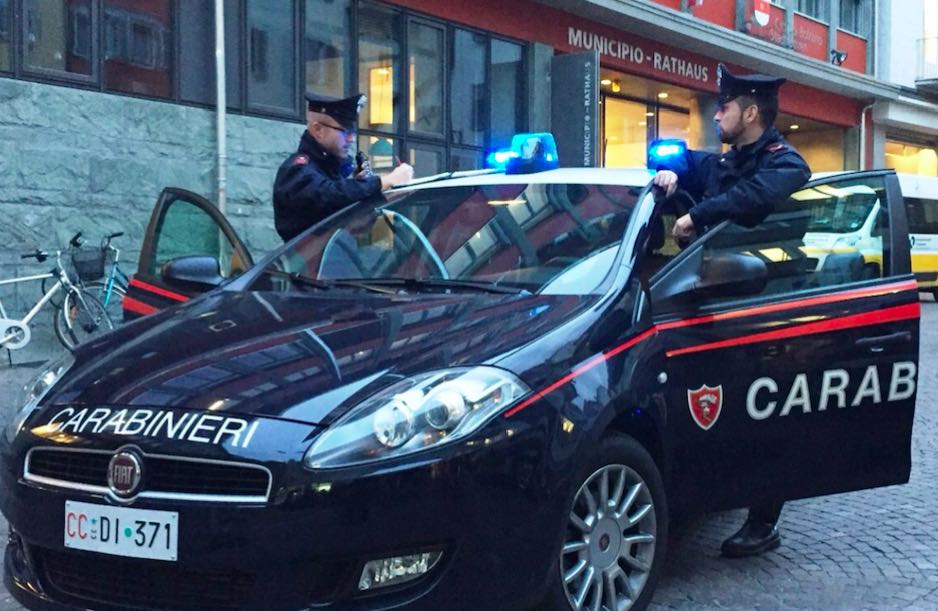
(122, 531)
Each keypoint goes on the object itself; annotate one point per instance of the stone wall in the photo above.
(75, 160)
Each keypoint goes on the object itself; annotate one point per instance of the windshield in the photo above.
(529, 237)
(846, 216)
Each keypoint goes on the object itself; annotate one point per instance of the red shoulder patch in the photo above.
(774, 148)
(300, 160)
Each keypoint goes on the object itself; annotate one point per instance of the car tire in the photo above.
(610, 559)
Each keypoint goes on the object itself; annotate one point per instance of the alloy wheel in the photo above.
(609, 547)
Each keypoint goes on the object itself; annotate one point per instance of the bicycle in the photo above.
(79, 317)
(110, 289)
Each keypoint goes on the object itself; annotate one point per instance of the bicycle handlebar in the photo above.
(106, 240)
(38, 255)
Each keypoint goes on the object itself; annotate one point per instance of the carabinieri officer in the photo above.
(759, 171)
(318, 179)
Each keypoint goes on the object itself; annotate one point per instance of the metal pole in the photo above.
(221, 102)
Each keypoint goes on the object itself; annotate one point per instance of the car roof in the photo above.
(632, 177)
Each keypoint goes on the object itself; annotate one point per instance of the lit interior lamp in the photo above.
(606, 82)
(794, 127)
(616, 86)
(663, 95)
(380, 96)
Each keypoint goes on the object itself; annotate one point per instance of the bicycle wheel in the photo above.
(113, 302)
(80, 318)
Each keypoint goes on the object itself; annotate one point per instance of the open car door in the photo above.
(792, 349)
(183, 224)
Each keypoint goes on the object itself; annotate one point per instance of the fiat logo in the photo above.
(124, 473)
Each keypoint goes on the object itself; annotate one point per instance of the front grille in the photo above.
(164, 476)
(129, 583)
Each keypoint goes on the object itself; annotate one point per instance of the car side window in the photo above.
(826, 235)
(185, 230)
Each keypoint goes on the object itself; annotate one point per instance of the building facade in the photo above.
(907, 127)
(106, 101)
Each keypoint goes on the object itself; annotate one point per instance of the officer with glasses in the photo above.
(321, 178)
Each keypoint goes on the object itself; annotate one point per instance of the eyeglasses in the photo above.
(343, 131)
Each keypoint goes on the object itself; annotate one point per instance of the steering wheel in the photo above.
(395, 221)
(340, 257)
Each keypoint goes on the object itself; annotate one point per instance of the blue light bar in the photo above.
(667, 155)
(533, 153)
(499, 159)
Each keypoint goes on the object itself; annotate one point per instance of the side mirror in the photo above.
(726, 274)
(194, 273)
(731, 274)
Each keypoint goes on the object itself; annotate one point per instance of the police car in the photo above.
(491, 391)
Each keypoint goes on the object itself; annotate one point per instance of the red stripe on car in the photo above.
(150, 288)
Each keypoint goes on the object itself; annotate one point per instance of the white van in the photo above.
(921, 205)
(854, 225)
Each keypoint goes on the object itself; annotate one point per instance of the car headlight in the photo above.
(414, 414)
(33, 392)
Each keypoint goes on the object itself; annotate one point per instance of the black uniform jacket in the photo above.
(312, 184)
(744, 184)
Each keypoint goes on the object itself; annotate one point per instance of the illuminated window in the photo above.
(911, 159)
(378, 60)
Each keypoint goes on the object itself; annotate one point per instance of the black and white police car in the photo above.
(491, 391)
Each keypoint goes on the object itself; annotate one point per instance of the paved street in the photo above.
(876, 549)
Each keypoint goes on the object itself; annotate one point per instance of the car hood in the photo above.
(303, 357)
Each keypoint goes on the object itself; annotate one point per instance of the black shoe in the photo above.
(751, 540)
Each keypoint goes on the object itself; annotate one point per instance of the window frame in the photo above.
(266, 110)
(894, 238)
(59, 76)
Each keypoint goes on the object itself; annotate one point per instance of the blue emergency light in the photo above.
(528, 153)
(667, 155)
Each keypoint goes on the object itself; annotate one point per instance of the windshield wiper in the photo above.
(325, 285)
(444, 283)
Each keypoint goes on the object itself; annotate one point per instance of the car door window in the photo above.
(185, 230)
(825, 235)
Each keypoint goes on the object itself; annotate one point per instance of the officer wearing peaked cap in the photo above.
(760, 171)
(320, 178)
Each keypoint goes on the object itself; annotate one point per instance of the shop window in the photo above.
(425, 78)
(464, 159)
(823, 149)
(271, 56)
(381, 152)
(672, 124)
(626, 133)
(197, 51)
(507, 87)
(137, 48)
(58, 35)
(819, 9)
(427, 159)
(326, 47)
(468, 93)
(912, 159)
(378, 67)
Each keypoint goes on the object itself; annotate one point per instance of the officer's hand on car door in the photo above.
(684, 230)
(666, 183)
